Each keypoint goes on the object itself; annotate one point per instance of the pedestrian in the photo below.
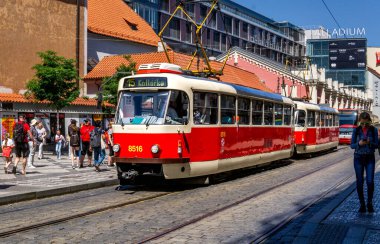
(41, 139)
(33, 144)
(20, 132)
(59, 141)
(74, 139)
(85, 131)
(365, 140)
(109, 140)
(7, 147)
(98, 145)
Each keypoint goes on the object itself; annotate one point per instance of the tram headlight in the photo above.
(116, 148)
(155, 149)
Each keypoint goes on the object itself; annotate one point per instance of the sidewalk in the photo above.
(51, 177)
(340, 222)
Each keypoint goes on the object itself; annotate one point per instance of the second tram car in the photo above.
(316, 128)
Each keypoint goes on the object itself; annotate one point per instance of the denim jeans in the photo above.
(58, 147)
(99, 155)
(365, 163)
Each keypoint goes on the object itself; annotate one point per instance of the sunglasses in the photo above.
(365, 123)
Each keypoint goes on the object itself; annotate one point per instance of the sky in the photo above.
(313, 13)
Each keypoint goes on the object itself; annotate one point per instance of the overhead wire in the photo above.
(332, 15)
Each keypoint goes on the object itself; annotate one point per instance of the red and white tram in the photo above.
(316, 128)
(181, 126)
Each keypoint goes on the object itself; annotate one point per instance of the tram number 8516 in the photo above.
(135, 148)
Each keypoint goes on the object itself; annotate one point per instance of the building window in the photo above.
(190, 10)
(224, 42)
(203, 13)
(228, 24)
(216, 44)
(236, 27)
(175, 29)
(164, 5)
(189, 33)
(244, 33)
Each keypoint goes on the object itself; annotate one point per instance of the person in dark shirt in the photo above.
(365, 141)
(22, 148)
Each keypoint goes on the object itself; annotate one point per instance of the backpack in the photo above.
(19, 133)
(95, 137)
(74, 137)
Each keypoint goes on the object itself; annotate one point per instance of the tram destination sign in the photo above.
(347, 54)
(145, 82)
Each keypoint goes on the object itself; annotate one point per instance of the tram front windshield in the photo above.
(153, 108)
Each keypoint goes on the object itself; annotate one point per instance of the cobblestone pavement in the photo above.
(50, 175)
(136, 222)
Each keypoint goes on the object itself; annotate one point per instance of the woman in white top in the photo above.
(7, 147)
(59, 141)
(41, 139)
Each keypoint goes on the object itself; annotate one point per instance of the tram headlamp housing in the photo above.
(155, 149)
(116, 148)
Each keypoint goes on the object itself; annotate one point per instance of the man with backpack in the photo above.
(98, 145)
(85, 131)
(20, 135)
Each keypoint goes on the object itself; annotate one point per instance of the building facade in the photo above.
(343, 59)
(32, 26)
(233, 25)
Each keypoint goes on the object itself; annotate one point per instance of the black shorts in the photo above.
(86, 149)
(22, 149)
(110, 148)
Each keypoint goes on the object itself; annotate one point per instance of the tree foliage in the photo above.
(54, 80)
(110, 84)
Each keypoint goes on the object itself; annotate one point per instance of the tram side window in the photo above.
(323, 122)
(205, 108)
(336, 120)
(329, 116)
(243, 111)
(317, 119)
(287, 115)
(300, 118)
(278, 114)
(257, 112)
(228, 109)
(310, 118)
(268, 113)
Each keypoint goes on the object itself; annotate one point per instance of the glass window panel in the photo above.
(205, 108)
(278, 114)
(244, 111)
(228, 109)
(257, 112)
(287, 115)
(310, 118)
(268, 113)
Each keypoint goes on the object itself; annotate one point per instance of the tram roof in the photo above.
(313, 106)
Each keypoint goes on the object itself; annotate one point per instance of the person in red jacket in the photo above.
(85, 138)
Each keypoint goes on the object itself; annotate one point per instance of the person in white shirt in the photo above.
(59, 141)
(7, 147)
(41, 139)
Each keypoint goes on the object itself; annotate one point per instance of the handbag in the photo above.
(7, 151)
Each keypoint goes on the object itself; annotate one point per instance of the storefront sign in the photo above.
(7, 123)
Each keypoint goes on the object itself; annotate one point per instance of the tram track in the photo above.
(251, 197)
(12, 231)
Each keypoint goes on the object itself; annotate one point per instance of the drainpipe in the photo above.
(77, 43)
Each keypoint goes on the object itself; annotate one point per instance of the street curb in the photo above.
(55, 192)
